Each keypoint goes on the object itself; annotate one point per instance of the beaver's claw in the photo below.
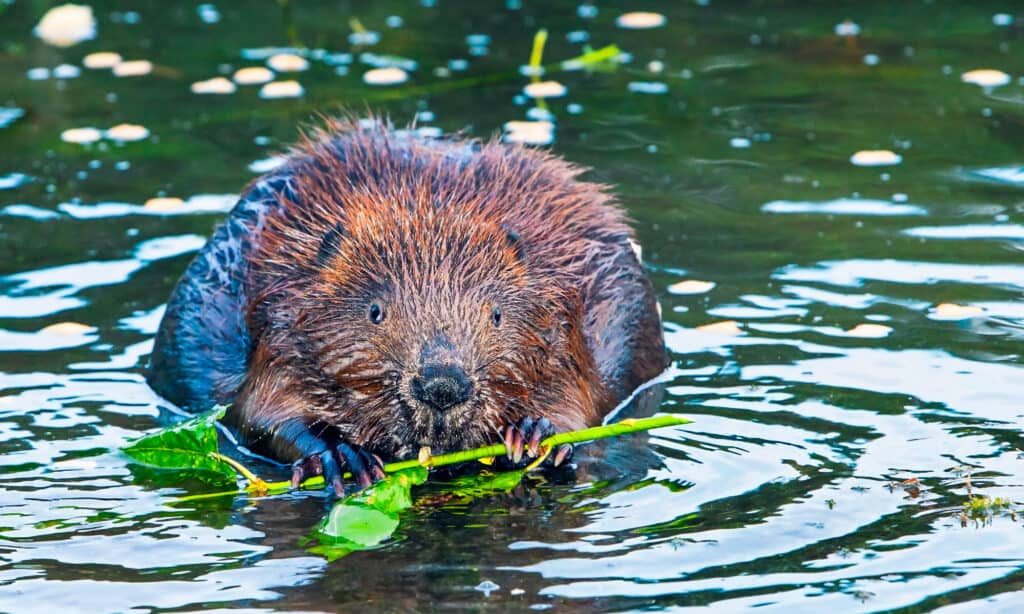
(525, 437)
(365, 467)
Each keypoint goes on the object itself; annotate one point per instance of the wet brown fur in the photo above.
(438, 233)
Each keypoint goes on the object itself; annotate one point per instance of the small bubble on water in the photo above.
(587, 11)
(573, 108)
(655, 66)
(847, 28)
(50, 188)
(739, 142)
(652, 148)
(122, 165)
(394, 21)
(686, 73)
(986, 112)
(578, 36)
(947, 69)
(885, 176)
(81, 175)
(425, 116)
(755, 39)
(1002, 217)
(132, 232)
(111, 97)
(94, 164)
(1002, 19)
(519, 99)
(900, 197)
(871, 59)
(458, 64)
(486, 587)
(513, 5)
(208, 13)
(540, 114)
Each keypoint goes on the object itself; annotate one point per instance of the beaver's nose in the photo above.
(441, 386)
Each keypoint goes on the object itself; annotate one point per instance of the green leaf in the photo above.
(185, 448)
(367, 518)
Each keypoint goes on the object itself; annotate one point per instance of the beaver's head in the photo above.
(427, 328)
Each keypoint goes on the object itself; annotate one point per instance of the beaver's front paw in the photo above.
(526, 435)
(365, 467)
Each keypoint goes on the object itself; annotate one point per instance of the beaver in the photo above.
(379, 292)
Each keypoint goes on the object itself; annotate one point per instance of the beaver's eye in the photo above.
(496, 316)
(376, 313)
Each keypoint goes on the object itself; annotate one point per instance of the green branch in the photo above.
(259, 487)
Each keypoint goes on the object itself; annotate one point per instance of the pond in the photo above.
(830, 203)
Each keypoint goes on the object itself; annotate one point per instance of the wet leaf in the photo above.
(185, 449)
(368, 518)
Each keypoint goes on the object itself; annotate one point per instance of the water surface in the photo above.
(860, 378)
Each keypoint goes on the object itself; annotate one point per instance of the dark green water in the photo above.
(786, 491)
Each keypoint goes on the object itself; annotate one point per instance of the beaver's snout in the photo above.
(441, 386)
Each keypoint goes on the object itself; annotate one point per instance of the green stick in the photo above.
(628, 425)
(259, 487)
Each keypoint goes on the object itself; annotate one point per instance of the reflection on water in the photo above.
(829, 204)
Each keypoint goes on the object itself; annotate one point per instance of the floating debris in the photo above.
(253, 75)
(67, 25)
(288, 62)
(952, 311)
(82, 136)
(875, 157)
(281, 89)
(216, 85)
(691, 286)
(640, 20)
(163, 203)
(385, 76)
(545, 89)
(127, 132)
(529, 132)
(101, 60)
(133, 68)
(726, 327)
(986, 77)
(870, 331)
(68, 328)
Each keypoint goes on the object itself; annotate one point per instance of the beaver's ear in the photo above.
(330, 245)
(514, 241)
